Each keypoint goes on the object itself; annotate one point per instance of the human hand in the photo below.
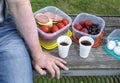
(50, 63)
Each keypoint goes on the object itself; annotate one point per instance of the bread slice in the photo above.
(53, 16)
(42, 19)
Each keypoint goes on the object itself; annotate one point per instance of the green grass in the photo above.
(78, 79)
(98, 7)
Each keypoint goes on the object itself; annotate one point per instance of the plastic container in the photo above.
(85, 16)
(114, 35)
(53, 36)
(52, 45)
(111, 53)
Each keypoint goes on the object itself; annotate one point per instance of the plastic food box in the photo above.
(85, 16)
(53, 36)
(114, 35)
(52, 45)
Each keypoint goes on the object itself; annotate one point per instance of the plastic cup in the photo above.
(64, 43)
(85, 44)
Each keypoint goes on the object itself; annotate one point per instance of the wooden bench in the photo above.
(98, 62)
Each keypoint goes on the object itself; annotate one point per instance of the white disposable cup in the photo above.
(63, 49)
(84, 50)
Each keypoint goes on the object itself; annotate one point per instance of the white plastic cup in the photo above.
(64, 43)
(85, 44)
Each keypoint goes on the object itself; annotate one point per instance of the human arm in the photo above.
(26, 25)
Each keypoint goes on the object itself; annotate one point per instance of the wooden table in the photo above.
(98, 62)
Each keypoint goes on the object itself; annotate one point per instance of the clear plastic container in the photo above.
(113, 42)
(85, 16)
(114, 35)
(53, 36)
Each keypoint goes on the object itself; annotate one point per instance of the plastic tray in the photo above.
(111, 53)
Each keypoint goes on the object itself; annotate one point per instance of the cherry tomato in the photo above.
(65, 21)
(88, 23)
(60, 25)
(44, 29)
(84, 30)
(78, 26)
(54, 28)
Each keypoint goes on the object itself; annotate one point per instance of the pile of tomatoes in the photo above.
(55, 27)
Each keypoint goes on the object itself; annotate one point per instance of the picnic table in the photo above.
(98, 62)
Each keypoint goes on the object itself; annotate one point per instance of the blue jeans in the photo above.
(15, 63)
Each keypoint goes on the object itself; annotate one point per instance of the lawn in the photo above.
(98, 7)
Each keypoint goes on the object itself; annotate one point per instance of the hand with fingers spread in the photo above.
(50, 63)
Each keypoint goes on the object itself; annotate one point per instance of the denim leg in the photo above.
(15, 63)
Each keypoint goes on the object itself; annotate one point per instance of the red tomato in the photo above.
(44, 29)
(78, 26)
(84, 30)
(88, 23)
(65, 21)
(54, 28)
(60, 25)
(81, 23)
